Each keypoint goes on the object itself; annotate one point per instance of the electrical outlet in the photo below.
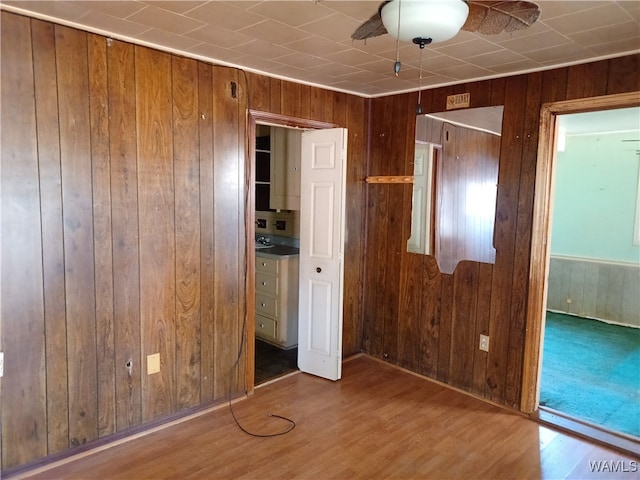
(484, 343)
(153, 363)
(1, 364)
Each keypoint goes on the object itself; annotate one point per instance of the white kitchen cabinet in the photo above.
(277, 299)
(285, 169)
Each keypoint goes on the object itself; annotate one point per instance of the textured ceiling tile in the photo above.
(177, 6)
(501, 57)
(61, 10)
(165, 20)
(262, 49)
(535, 42)
(160, 37)
(469, 49)
(561, 53)
(275, 32)
(219, 36)
(114, 25)
(292, 13)
(316, 46)
(120, 9)
(597, 36)
(302, 60)
(589, 19)
(228, 16)
(335, 27)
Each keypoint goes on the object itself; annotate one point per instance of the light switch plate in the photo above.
(153, 363)
(1, 364)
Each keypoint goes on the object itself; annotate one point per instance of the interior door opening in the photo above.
(572, 293)
(591, 354)
(273, 240)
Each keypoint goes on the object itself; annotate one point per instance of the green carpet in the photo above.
(591, 371)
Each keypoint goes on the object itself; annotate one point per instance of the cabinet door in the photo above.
(285, 169)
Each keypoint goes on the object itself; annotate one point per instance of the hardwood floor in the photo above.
(377, 422)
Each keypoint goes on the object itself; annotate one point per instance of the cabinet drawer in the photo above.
(266, 283)
(266, 305)
(266, 327)
(269, 265)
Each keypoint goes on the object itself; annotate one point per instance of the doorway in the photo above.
(257, 121)
(591, 354)
(541, 247)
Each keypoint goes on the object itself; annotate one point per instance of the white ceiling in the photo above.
(308, 41)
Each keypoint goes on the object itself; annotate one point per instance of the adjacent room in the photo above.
(591, 359)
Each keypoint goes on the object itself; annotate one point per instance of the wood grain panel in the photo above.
(245, 244)
(554, 85)
(46, 94)
(396, 245)
(76, 161)
(410, 322)
(226, 171)
(125, 228)
(290, 99)
(624, 75)
(430, 313)
(187, 230)
(317, 103)
(103, 251)
(275, 86)
(305, 101)
(207, 223)
(587, 80)
(445, 327)
(483, 311)
(505, 226)
(524, 222)
(157, 229)
(375, 240)
(258, 87)
(24, 403)
(463, 325)
(355, 194)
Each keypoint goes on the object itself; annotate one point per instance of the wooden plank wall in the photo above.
(123, 205)
(430, 322)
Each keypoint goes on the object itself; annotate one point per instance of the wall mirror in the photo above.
(455, 185)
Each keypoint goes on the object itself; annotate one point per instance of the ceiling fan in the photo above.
(431, 21)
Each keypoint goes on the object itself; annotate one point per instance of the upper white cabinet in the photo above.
(285, 169)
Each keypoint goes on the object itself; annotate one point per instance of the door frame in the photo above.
(266, 118)
(540, 233)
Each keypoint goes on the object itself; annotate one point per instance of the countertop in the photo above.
(277, 251)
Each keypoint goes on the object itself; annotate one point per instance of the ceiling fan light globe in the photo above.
(439, 20)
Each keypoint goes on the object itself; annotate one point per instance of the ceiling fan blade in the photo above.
(372, 27)
(494, 17)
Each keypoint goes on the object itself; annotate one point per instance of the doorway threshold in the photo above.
(582, 428)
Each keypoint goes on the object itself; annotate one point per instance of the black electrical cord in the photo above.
(234, 368)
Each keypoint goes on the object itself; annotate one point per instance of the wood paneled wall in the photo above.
(124, 181)
(430, 322)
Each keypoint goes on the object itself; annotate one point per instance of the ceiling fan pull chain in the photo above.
(419, 106)
(398, 65)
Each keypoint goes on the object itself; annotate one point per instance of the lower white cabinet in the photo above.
(277, 300)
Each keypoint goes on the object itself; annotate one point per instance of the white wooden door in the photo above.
(322, 201)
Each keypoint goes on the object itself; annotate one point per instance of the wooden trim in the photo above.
(540, 253)
(389, 179)
(253, 117)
